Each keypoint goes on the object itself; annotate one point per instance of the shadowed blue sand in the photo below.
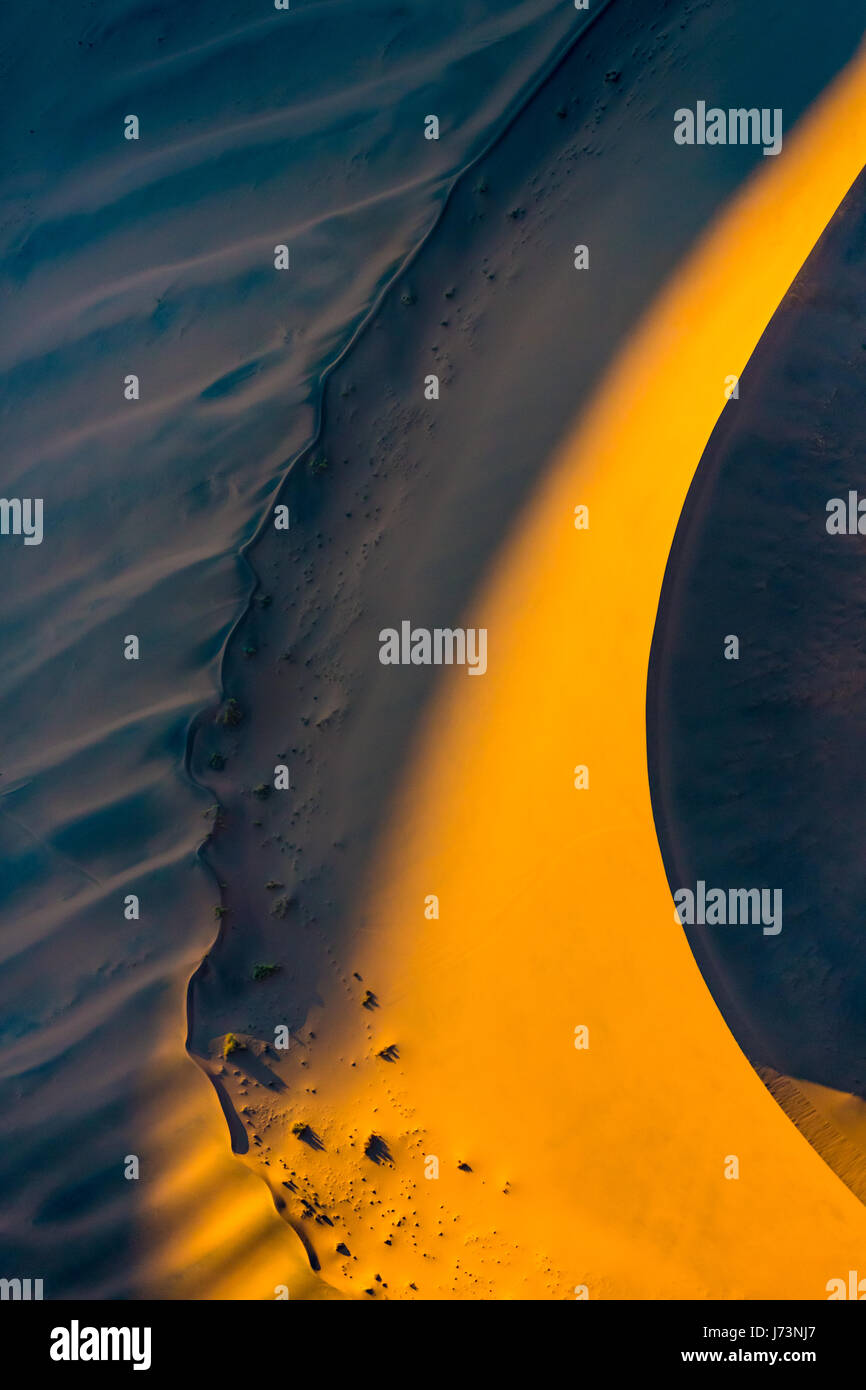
(758, 766)
(156, 257)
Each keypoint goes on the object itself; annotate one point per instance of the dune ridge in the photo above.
(394, 1021)
(757, 767)
(152, 258)
(834, 1124)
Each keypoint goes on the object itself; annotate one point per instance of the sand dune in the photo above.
(157, 258)
(554, 907)
(148, 257)
(758, 764)
(585, 1169)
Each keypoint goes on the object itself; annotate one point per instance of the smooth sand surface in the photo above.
(757, 766)
(554, 906)
(603, 1167)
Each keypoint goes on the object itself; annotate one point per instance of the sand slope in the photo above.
(758, 764)
(604, 1167)
(554, 907)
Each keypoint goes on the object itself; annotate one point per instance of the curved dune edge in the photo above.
(209, 1228)
(604, 1167)
(834, 1122)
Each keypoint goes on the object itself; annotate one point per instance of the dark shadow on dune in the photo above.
(309, 1248)
(758, 766)
(257, 1070)
(239, 1138)
(305, 1134)
(376, 1149)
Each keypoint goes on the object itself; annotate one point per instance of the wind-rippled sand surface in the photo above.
(156, 257)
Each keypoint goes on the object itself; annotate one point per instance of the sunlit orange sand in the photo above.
(602, 1168)
(209, 1227)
